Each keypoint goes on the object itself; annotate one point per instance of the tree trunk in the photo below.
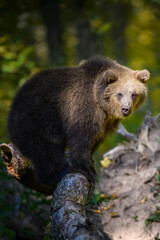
(51, 16)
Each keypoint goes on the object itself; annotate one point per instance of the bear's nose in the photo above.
(125, 111)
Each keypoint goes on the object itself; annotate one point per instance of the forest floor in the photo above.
(134, 211)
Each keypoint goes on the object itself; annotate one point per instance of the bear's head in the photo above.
(120, 90)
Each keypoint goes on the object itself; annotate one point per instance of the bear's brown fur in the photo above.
(73, 108)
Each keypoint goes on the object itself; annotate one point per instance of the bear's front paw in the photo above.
(88, 172)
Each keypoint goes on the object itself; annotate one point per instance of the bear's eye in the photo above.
(119, 95)
(133, 95)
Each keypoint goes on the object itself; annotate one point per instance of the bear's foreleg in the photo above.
(80, 157)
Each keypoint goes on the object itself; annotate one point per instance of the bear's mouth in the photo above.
(125, 111)
(126, 115)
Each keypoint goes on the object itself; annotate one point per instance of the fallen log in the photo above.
(145, 143)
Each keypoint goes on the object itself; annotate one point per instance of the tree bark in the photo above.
(69, 219)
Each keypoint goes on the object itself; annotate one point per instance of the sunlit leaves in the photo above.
(100, 26)
(17, 64)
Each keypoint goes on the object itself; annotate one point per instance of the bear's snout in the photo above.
(125, 111)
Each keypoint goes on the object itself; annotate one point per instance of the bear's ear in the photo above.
(143, 75)
(109, 77)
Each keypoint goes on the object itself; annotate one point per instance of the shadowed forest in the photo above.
(39, 34)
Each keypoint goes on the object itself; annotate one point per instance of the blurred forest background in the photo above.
(39, 34)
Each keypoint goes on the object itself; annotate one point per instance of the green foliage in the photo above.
(17, 64)
(7, 233)
(155, 217)
(99, 197)
(96, 198)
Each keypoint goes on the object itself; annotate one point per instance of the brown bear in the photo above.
(72, 108)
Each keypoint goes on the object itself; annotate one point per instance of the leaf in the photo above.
(143, 200)
(102, 195)
(98, 211)
(114, 195)
(105, 162)
(107, 207)
(114, 214)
